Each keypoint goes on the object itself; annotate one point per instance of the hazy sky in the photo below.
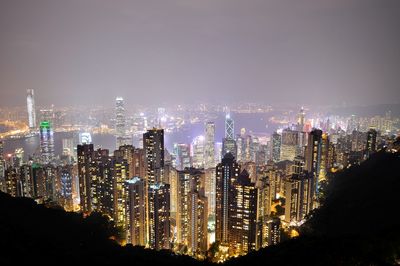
(169, 51)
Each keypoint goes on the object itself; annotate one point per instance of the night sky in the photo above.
(182, 51)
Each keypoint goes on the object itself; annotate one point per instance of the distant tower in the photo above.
(209, 152)
(229, 127)
(301, 120)
(46, 142)
(120, 123)
(30, 101)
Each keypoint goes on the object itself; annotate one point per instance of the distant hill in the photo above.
(357, 225)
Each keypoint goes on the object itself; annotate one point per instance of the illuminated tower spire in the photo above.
(229, 127)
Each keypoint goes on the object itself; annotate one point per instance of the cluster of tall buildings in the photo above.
(243, 196)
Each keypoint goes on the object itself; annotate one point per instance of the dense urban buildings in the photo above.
(231, 193)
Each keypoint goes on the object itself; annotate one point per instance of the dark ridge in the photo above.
(32, 233)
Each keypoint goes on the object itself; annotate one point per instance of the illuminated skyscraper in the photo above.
(135, 158)
(273, 231)
(264, 210)
(26, 177)
(182, 153)
(66, 187)
(198, 152)
(46, 142)
(85, 138)
(12, 182)
(299, 197)
(192, 215)
(313, 156)
(136, 211)
(229, 146)
(68, 147)
(301, 120)
(1, 150)
(159, 216)
(229, 127)
(2, 167)
(325, 148)
(209, 151)
(210, 186)
(153, 144)
(210, 145)
(30, 101)
(85, 157)
(226, 173)
(120, 173)
(120, 124)
(371, 142)
(276, 147)
(242, 215)
(289, 144)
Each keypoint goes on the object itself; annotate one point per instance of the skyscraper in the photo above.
(226, 173)
(159, 216)
(1, 150)
(46, 142)
(30, 101)
(325, 148)
(136, 211)
(229, 146)
(192, 214)
(229, 127)
(198, 148)
(2, 167)
(120, 123)
(276, 147)
(299, 197)
(313, 156)
(289, 144)
(120, 174)
(242, 215)
(301, 120)
(153, 144)
(371, 141)
(66, 187)
(85, 157)
(209, 151)
(182, 153)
